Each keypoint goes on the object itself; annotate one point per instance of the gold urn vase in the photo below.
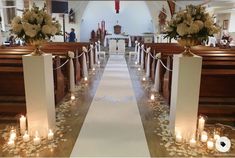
(37, 45)
(187, 43)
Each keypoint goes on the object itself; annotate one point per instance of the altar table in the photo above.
(117, 37)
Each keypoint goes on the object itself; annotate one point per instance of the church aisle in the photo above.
(113, 125)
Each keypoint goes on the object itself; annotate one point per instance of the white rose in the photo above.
(199, 23)
(188, 19)
(46, 29)
(30, 30)
(17, 28)
(39, 19)
(53, 30)
(182, 29)
(194, 28)
(208, 23)
(47, 19)
(26, 16)
(16, 20)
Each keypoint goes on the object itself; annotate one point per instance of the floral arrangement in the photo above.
(35, 25)
(192, 23)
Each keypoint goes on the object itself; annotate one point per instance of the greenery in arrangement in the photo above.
(192, 23)
(35, 25)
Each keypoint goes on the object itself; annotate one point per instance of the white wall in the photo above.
(134, 17)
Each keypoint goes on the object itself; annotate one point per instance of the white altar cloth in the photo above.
(108, 37)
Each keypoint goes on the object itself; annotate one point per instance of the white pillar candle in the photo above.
(22, 124)
(26, 137)
(210, 145)
(204, 136)
(36, 140)
(192, 142)
(11, 143)
(152, 97)
(216, 136)
(201, 124)
(50, 135)
(12, 134)
(178, 138)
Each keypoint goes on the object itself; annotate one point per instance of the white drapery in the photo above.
(157, 83)
(71, 72)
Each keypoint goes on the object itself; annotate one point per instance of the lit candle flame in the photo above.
(72, 97)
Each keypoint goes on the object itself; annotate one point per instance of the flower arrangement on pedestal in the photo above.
(35, 27)
(191, 26)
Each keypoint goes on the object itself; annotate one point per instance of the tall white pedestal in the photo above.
(185, 95)
(39, 91)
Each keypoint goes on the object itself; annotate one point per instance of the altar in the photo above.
(116, 37)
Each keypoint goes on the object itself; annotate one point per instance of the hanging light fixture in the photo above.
(117, 6)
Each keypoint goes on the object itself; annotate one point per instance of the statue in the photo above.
(162, 20)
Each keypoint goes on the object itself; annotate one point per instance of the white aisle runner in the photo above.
(113, 126)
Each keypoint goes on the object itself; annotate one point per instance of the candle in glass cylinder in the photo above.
(216, 135)
(144, 79)
(152, 97)
(210, 145)
(12, 134)
(204, 137)
(50, 135)
(192, 142)
(36, 140)
(201, 124)
(22, 124)
(11, 143)
(178, 138)
(26, 137)
(85, 79)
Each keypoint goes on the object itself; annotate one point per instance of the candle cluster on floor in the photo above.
(24, 134)
(202, 137)
(202, 144)
(19, 143)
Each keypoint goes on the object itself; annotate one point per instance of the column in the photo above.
(185, 95)
(39, 92)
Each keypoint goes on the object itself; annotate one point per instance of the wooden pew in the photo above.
(61, 49)
(12, 57)
(12, 93)
(217, 80)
